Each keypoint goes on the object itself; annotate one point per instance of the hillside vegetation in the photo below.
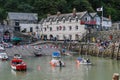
(43, 7)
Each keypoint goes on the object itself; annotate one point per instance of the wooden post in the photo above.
(115, 76)
(112, 52)
(117, 56)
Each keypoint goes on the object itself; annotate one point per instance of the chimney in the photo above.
(48, 15)
(110, 17)
(58, 13)
(74, 11)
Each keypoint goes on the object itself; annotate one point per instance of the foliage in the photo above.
(44, 7)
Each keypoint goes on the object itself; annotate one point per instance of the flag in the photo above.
(100, 9)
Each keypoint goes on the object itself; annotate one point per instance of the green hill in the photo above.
(43, 7)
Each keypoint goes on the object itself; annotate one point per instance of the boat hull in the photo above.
(18, 64)
(57, 64)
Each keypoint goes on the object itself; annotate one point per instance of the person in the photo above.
(60, 63)
(88, 60)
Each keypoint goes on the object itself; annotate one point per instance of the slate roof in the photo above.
(93, 14)
(22, 16)
(79, 15)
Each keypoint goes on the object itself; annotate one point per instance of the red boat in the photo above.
(18, 64)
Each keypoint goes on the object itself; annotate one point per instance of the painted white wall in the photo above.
(27, 27)
(107, 23)
(67, 32)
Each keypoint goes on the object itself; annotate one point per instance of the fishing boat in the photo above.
(18, 64)
(18, 56)
(83, 61)
(56, 60)
(3, 56)
(38, 53)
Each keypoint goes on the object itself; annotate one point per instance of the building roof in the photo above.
(71, 16)
(93, 14)
(22, 16)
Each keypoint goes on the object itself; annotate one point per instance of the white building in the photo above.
(16, 19)
(24, 22)
(70, 26)
(106, 23)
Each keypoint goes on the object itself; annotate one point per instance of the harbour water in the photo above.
(38, 68)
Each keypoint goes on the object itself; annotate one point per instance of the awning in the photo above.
(16, 39)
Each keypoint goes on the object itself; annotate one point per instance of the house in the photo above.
(116, 25)
(106, 23)
(97, 19)
(72, 26)
(17, 20)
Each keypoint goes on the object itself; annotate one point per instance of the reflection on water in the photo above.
(18, 73)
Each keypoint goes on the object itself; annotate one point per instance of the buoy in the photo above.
(38, 67)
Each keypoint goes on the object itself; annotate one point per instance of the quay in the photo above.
(75, 48)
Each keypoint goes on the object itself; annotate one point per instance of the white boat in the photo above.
(3, 56)
(56, 60)
(83, 61)
(18, 56)
(2, 48)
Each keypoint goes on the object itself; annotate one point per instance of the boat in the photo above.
(18, 56)
(18, 64)
(83, 61)
(56, 60)
(3, 56)
(38, 53)
(2, 48)
(37, 48)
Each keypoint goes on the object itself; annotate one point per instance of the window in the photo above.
(76, 27)
(57, 21)
(64, 37)
(57, 28)
(50, 28)
(76, 19)
(63, 28)
(31, 29)
(45, 29)
(63, 20)
(70, 37)
(119, 26)
(16, 23)
(57, 36)
(70, 27)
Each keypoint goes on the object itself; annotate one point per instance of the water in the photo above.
(39, 69)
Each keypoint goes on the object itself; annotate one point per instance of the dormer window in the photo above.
(63, 20)
(76, 19)
(70, 19)
(57, 21)
(50, 21)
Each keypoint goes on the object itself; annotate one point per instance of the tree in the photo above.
(2, 15)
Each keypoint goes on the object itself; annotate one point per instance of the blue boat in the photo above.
(56, 54)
